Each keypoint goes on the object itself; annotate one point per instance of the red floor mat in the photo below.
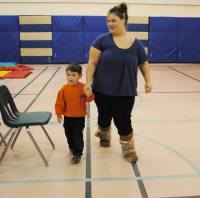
(16, 68)
(17, 74)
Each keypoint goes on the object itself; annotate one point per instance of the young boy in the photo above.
(71, 102)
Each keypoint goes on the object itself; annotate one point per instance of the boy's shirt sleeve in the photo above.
(60, 103)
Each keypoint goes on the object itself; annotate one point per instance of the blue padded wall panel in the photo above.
(36, 59)
(9, 47)
(35, 44)
(93, 27)
(95, 24)
(67, 39)
(163, 24)
(138, 27)
(9, 24)
(162, 47)
(67, 47)
(35, 28)
(35, 39)
(163, 39)
(189, 47)
(9, 39)
(189, 25)
(89, 37)
(188, 40)
(67, 24)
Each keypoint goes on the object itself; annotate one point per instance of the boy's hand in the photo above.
(59, 118)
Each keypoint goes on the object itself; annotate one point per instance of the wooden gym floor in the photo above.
(167, 133)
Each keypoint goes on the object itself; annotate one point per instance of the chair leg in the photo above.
(48, 137)
(3, 140)
(7, 145)
(37, 147)
(13, 142)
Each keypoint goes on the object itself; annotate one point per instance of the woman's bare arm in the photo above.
(94, 56)
(145, 70)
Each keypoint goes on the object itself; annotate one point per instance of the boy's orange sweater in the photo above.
(71, 101)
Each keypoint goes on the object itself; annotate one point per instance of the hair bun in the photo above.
(123, 7)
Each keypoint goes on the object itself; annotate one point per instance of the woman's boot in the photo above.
(104, 135)
(128, 148)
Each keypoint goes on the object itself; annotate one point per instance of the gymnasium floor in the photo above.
(167, 133)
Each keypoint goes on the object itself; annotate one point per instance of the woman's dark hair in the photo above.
(121, 11)
(74, 68)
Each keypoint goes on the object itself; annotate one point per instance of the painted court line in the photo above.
(178, 154)
(184, 74)
(98, 179)
(88, 183)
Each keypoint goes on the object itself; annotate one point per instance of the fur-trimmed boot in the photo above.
(104, 135)
(128, 148)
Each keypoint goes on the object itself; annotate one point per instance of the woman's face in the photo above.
(114, 23)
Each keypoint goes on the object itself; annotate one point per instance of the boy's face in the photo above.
(73, 77)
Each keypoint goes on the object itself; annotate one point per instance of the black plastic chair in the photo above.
(2, 140)
(13, 118)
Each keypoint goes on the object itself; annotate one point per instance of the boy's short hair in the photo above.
(74, 68)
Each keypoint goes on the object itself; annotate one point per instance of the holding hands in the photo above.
(87, 90)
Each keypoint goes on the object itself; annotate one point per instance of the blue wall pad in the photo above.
(163, 24)
(35, 44)
(9, 39)
(138, 27)
(189, 47)
(89, 37)
(9, 47)
(93, 27)
(67, 23)
(64, 39)
(163, 39)
(35, 39)
(95, 24)
(189, 25)
(36, 59)
(189, 40)
(35, 28)
(67, 39)
(67, 47)
(162, 47)
(9, 24)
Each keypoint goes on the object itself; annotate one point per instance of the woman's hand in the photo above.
(148, 87)
(87, 90)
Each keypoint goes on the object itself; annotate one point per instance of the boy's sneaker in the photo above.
(75, 159)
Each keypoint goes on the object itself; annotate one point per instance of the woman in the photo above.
(114, 59)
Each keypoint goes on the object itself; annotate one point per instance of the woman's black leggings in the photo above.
(118, 108)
